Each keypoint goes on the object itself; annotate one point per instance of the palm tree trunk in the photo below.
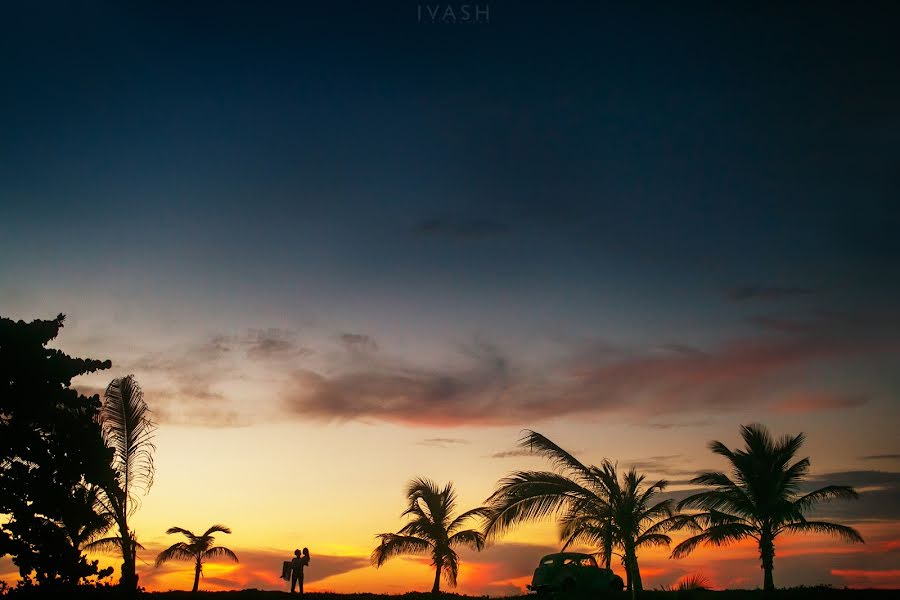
(437, 575)
(197, 568)
(632, 569)
(128, 580)
(767, 558)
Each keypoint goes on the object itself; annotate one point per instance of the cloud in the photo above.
(765, 292)
(461, 229)
(682, 349)
(879, 496)
(407, 394)
(636, 386)
(810, 402)
(881, 457)
(442, 442)
(357, 343)
(869, 578)
(263, 344)
(668, 466)
(512, 453)
(674, 424)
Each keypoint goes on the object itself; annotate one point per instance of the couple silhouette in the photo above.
(293, 569)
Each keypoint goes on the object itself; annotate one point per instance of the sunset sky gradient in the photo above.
(339, 248)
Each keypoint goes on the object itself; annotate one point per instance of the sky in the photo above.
(342, 245)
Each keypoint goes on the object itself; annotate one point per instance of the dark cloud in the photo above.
(410, 395)
(682, 349)
(879, 496)
(358, 343)
(642, 387)
(809, 402)
(677, 424)
(881, 457)
(765, 292)
(512, 453)
(781, 325)
(442, 442)
(263, 344)
(461, 229)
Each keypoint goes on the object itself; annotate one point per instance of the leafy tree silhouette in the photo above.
(594, 505)
(51, 456)
(128, 430)
(433, 529)
(198, 548)
(762, 499)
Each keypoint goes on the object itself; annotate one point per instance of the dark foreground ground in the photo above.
(803, 593)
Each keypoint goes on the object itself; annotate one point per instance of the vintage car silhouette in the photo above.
(573, 572)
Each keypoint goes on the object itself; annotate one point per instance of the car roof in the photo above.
(567, 555)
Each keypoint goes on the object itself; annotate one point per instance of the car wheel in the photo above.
(616, 584)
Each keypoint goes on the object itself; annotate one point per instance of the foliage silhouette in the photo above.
(761, 501)
(128, 430)
(595, 506)
(433, 529)
(51, 457)
(198, 548)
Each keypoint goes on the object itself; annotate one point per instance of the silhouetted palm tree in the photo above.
(128, 431)
(594, 505)
(198, 548)
(90, 521)
(761, 500)
(432, 530)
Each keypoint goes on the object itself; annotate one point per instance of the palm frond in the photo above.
(177, 551)
(450, 567)
(540, 444)
(395, 545)
(128, 429)
(221, 552)
(653, 539)
(825, 494)
(687, 546)
(107, 545)
(185, 532)
(481, 512)
(693, 583)
(720, 534)
(848, 534)
(531, 496)
(216, 528)
(469, 537)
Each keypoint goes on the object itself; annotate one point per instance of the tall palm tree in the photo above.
(593, 504)
(433, 529)
(128, 431)
(761, 499)
(198, 548)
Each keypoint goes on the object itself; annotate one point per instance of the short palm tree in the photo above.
(761, 499)
(432, 530)
(128, 430)
(594, 505)
(198, 548)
